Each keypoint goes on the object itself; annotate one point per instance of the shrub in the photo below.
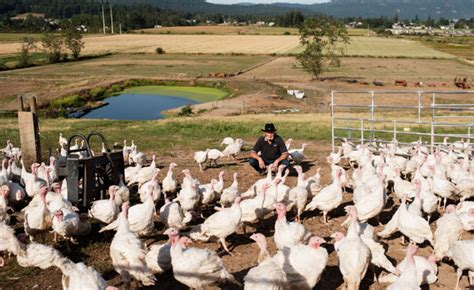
(286, 33)
(186, 111)
(115, 88)
(96, 93)
(68, 101)
(160, 50)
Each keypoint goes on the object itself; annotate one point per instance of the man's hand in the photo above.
(261, 164)
(275, 165)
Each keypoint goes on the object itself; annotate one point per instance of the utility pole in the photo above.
(111, 19)
(120, 28)
(103, 18)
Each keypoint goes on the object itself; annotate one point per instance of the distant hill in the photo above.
(406, 9)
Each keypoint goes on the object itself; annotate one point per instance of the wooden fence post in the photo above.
(29, 134)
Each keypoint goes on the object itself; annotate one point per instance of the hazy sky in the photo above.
(266, 1)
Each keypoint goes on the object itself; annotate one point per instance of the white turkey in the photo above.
(233, 149)
(413, 226)
(105, 210)
(201, 157)
(267, 274)
(426, 270)
(298, 195)
(252, 208)
(37, 255)
(297, 155)
(303, 264)
(4, 215)
(172, 215)
(408, 278)
(329, 198)
(448, 230)
(128, 254)
(288, 233)
(220, 225)
(158, 258)
(196, 268)
(461, 254)
(145, 174)
(37, 217)
(169, 182)
(188, 196)
(78, 276)
(213, 155)
(230, 193)
(65, 223)
(207, 192)
(8, 241)
(219, 187)
(140, 218)
(353, 254)
(154, 182)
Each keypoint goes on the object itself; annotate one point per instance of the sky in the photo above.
(266, 1)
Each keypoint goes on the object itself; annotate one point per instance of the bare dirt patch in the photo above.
(94, 250)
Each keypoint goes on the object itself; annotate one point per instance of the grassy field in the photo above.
(200, 94)
(172, 135)
(243, 44)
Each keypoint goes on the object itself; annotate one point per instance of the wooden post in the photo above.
(29, 135)
(20, 103)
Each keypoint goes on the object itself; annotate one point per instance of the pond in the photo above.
(149, 102)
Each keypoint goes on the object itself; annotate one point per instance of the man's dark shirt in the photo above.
(270, 151)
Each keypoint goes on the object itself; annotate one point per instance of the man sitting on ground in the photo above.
(272, 150)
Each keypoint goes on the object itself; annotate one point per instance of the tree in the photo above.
(322, 38)
(25, 52)
(73, 41)
(53, 46)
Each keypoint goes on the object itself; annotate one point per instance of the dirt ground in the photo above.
(94, 250)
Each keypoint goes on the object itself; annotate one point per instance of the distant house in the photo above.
(24, 15)
(157, 26)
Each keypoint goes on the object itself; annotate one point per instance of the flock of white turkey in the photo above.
(428, 183)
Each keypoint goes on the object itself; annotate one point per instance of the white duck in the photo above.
(288, 234)
(128, 254)
(329, 198)
(195, 268)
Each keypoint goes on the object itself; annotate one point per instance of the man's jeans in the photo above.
(254, 163)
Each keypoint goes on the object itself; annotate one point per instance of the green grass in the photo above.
(16, 37)
(170, 136)
(200, 94)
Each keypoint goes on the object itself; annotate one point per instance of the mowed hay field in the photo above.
(288, 69)
(242, 44)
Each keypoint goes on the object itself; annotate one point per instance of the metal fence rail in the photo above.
(376, 116)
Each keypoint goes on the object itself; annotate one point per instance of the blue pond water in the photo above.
(137, 107)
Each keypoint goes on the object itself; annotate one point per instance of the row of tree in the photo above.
(54, 46)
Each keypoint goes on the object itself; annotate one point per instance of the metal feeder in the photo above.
(89, 178)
